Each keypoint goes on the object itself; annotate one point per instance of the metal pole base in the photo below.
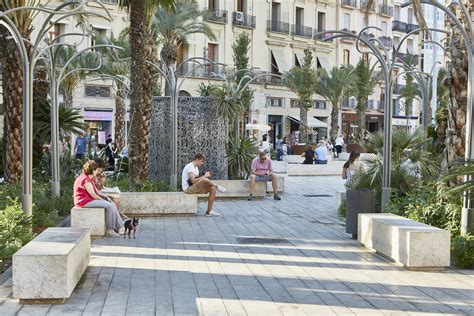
(174, 181)
(27, 204)
(385, 197)
(55, 188)
(467, 221)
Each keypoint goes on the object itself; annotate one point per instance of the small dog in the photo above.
(131, 224)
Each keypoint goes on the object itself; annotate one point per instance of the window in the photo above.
(97, 34)
(396, 13)
(410, 16)
(321, 21)
(212, 54)
(384, 28)
(346, 57)
(55, 31)
(275, 102)
(319, 104)
(97, 91)
(276, 12)
(410, 47)
(299, 16)
(213, 5)
(396, 41)
(241, 5)
(347, 21)
(294, 103)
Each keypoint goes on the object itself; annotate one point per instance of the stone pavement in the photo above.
(196, 266)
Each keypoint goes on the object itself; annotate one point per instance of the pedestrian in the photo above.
(81, 145)
(279, 148)
(321, 154)
(265, 146)
(262, 172)
(308, 155)
(192, 183)
(352, 167)
(339, 143)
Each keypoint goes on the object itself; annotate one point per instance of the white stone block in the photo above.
(158, 203)
(280, 187)
(340, 196)
(49, 266)
(93, 218)
(292, 159)
(279, 166)
(332, 168)
(412, 244)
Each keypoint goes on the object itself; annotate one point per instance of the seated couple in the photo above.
(87, 195)
(318, 156)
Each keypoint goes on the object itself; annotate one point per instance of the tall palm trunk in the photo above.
(68, 99)
(361, 134)
(334, 120)
(120, 115)
(138, 142)
(303, 124)
(169, 54)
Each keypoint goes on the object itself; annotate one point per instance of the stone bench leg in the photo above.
(93, 218)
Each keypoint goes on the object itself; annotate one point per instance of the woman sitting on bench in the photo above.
(87, 195)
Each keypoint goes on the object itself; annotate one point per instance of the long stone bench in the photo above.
(279, 166)
(415, 245)
(158, 203)
(241, 188)
(333, 168)
(93, 218)
(47, 269)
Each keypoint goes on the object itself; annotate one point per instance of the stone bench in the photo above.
(414, 245)
(333, 168)
(158, 203)
(279, 166)
(47, 269)
(241, 188)
(93, 218)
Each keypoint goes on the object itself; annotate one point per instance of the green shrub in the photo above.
(342, 208)
(14, 228)
(462, 251)
(144, 186)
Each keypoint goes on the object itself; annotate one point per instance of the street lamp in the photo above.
(467, 217)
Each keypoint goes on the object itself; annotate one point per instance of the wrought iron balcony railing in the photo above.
(348, 38)
(349, 3)
(412, 27)
(206, 71)
(323, 37)
(386, 41)
(408, 58)
(109, 1)
(217, 16)
(386, 9)
(243, 20)
(364, 4)
(301, 30)
(399, 26)
(278, 26)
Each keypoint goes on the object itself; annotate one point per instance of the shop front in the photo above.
(98, 126)
(318, 129)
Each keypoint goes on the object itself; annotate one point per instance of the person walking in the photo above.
(308, 155)
(352, 167)
(339, 143)
(81, 145)
(262, 172)
(279, 148)
(192, 183)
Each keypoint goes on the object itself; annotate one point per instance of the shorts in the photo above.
(264, 178)
(197, 188)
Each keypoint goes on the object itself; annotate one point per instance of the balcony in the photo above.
(367, 36)
(278, 27)
(348, 38)
(398, 88)
(243, 20)
(364, 6)
(215, 16)
(408, 58)
(324, 37)
(412, 27)
(301, 30)
(349, 3)
(109, 1)
(399, 26)
(386, 41)
(386, 9)
(208, 71)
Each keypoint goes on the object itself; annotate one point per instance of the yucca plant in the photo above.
(240, 153)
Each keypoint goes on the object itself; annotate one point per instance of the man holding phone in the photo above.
(192, 183)
(262, 172)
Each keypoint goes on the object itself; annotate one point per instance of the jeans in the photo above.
(279, 154)
(112, 215)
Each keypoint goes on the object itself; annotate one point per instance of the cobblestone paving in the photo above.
(194, 265)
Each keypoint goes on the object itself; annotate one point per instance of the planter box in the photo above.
(358, 201)
(333, 168)
(158, 203)
(93, 218)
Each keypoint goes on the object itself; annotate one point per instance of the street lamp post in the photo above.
(467, 217)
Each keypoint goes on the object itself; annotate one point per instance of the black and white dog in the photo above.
(130, 224)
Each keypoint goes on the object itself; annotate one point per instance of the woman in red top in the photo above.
(87, 195)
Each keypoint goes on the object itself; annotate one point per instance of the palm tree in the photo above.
(173, 29)
(302, 81)
(409, 93)
(335, 87)
(142, 78)
(364, 85)
(13, 94)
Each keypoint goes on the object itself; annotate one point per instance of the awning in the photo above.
(259, 127)
(312, 122)
(324, 63)
(300, 58)
(100, 26)
(280, 60)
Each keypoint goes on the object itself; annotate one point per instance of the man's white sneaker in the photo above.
(221, 189)
(213, 213)
(111, 233)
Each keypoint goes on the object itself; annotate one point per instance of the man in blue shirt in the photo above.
(321, 154)
(81, 146)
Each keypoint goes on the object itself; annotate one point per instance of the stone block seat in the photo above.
(93, 218)
(158, 203)
(333, 168)
(48, 268)
(241, 188)
(415, 245)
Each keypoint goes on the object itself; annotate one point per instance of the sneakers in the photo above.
(220, 189)
(213, 214)
(277, 197)
(250, 197)
(111, 233)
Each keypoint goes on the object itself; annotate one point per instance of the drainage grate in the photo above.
(317, 195)
(261, 240)
(324, 223)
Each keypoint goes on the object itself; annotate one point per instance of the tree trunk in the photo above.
(137, 159)
(13, 137)
(361, 134)
(40, 87)
(68, 99)
(334, 121)
(169, 55)
(120, 115)
(303, 124)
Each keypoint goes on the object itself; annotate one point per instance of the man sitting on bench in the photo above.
(262, 172)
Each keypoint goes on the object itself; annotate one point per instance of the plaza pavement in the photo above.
(194, 265)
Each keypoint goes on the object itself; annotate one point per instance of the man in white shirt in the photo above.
(192, 183)
(339, 143)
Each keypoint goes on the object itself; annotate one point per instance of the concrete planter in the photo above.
(358, 201)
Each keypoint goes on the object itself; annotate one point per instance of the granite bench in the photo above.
(333, 168)
(241, 188)
(48, 268)
(93, 218)
(158, 203)
(415, 245)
